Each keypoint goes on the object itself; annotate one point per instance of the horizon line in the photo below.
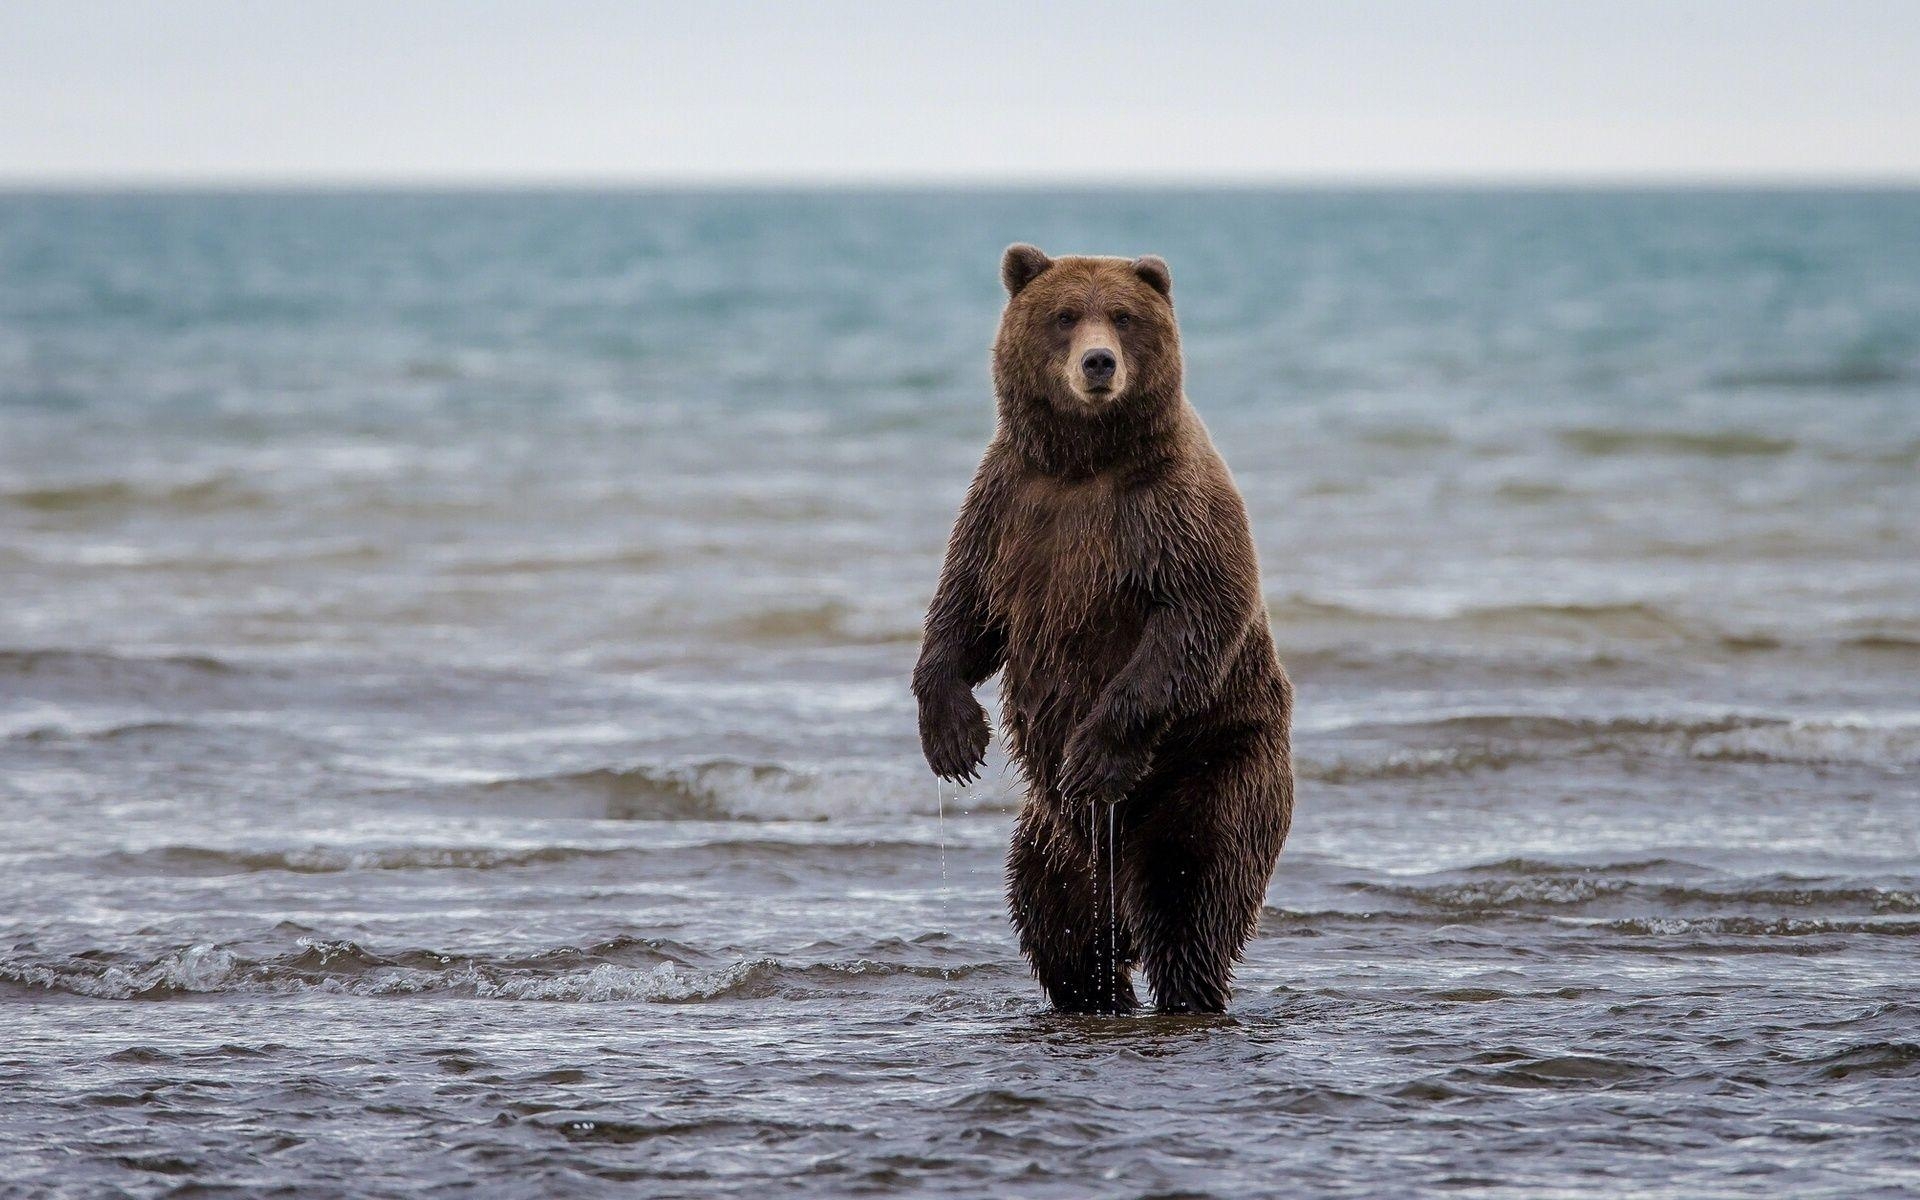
(452, 183)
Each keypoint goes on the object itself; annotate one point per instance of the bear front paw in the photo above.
(1099, 769)
(954, 736)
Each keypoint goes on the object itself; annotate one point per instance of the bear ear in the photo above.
(1020, 264)
(1153, 269)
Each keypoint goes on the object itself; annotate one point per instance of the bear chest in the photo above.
(1068, 564)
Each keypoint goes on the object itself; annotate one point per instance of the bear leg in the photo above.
(1080, 955)
(1205, 858)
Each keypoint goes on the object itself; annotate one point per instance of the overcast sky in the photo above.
(1329, 91)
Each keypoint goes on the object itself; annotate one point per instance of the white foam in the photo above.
(665, 982)
(199, 968)
(1858, 740)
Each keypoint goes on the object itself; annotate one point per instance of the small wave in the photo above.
(1859, 742)
(1297, 608)
(1454, 665)
(1585, 634)
(1652, 897)
(1659, 932)
(1895, 456)
(714, 790)
(1627, 889)
(1475, 741)
(1878, 900)
(604, 1130)
(664, 976)
(1598, 443)
(1549, 891)
(199, 968)
(101, 735)
(1873, 1059)
(1817, 376)
(323, 860)
(136, 557)
(1867, 906)
(827, 622)
(1494, 741)
(1563, 1072)
(1889, 644)
(218, 492)
(627, 558)
(1546, 866)
(671, 983)
(693, 793)
(665, 983)
(1760, 926)
(1532, 491)
(1543, 727)
(1627, 620)
(206, 969)
(210, 862)
(1406, 437)
(96, 663)
(1408, 764)
(90, 676)
(596, 1127)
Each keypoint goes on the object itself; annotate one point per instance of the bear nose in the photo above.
(1098, 366)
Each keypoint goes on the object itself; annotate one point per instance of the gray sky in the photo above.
(478, 91)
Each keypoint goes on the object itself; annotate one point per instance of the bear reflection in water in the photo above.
(1103, 563)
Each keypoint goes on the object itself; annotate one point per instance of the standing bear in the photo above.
(1102, 559)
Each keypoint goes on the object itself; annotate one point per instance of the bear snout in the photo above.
(1097, 367)
(1096, 370)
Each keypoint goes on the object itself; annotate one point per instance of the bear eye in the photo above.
(1121, 320)
(1065, 320)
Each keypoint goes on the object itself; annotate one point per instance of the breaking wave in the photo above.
(763, 853)
(1483, 742)
(1655, 897)
(717, 790)
(1875, 743)
(1556, 892)
(1408, 764)
(630, 969)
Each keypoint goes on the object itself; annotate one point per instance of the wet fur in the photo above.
(1102, 560)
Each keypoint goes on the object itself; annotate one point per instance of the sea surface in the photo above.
(455, 739)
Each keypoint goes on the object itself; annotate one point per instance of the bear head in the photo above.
(1086, 365)
(1090, 337)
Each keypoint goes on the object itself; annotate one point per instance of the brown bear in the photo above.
(1102, 558)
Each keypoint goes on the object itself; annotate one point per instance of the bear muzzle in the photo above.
(1097, 367)
(1096, 371)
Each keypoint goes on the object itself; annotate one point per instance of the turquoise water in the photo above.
(454, 729)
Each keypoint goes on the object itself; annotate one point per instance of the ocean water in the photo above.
(454, 734)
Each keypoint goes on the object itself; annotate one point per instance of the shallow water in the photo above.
(454, 734)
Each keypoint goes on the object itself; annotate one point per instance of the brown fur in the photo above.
(1102, 558)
